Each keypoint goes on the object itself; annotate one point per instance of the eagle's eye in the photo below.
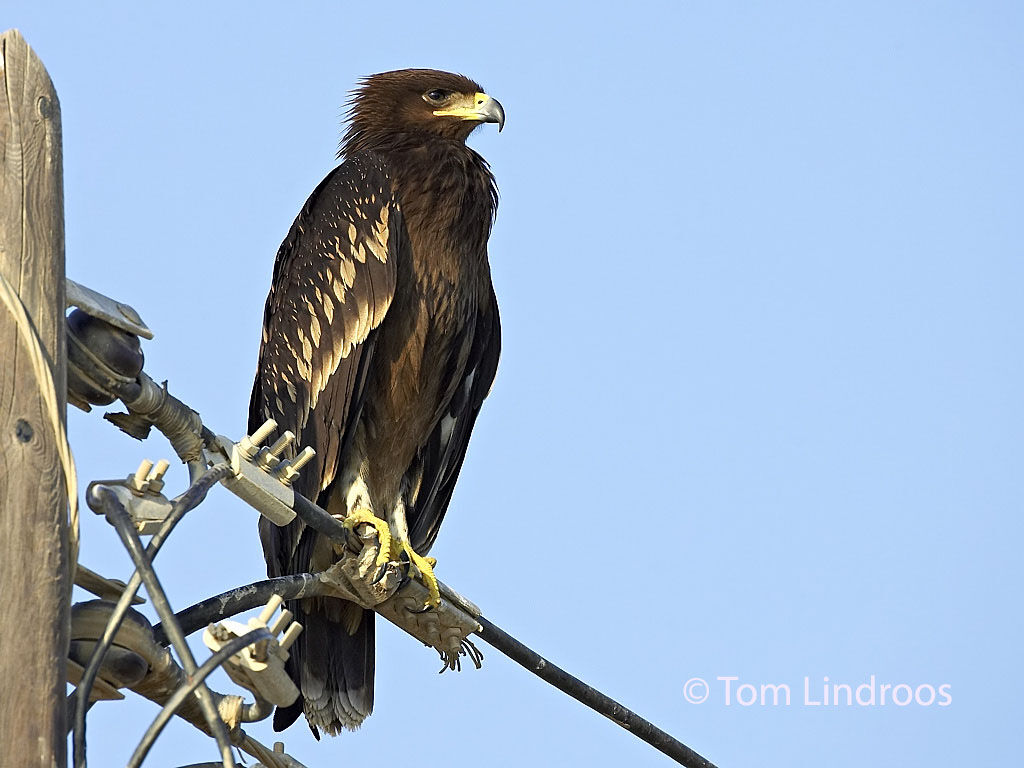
(437, 96)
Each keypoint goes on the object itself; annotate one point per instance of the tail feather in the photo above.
(333, 664)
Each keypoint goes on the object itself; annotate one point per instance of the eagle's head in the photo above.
(416, 102)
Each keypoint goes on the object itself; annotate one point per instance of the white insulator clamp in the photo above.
(261, 477)
(260, 667)
(140, 493)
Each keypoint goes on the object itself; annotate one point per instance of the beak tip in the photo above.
(496, 113)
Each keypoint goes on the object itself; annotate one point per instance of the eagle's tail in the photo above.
(332, 662)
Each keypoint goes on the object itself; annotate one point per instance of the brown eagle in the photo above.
(380, 343)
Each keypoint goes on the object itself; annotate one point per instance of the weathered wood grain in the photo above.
(34, 577)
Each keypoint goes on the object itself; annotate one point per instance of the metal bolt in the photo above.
(282, 442)
(290, 635)
(250, 444)
(160, 470)
(266, 459)
(138, 480)
(287, 471)
(282, 621)
(268, 610)
(269, 458)
(304, 457)
(155, 483)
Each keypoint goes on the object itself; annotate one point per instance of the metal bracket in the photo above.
(261, 478)
(105, 308)
(141, 497)
(103, 588)
(260, 667)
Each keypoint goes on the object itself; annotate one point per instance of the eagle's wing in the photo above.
(442, 456)
(334, 279)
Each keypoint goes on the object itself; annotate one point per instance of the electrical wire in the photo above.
(195, 680)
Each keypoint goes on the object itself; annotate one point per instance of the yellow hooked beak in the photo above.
(481, 108)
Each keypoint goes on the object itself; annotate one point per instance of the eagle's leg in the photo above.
(363, 515)
(425, 565)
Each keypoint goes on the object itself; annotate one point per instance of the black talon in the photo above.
(424, 609)
(405, 564)
(380, 573)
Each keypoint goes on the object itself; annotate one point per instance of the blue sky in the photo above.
(758, 413)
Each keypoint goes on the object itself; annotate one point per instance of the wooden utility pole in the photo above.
(34, 574)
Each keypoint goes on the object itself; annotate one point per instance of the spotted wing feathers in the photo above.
(334, 280)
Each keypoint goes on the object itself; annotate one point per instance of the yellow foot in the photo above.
(425, 565)
(358, 516)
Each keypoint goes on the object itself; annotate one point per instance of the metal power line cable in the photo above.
(103, 497)
(307, 585)
(294, 587)
(182, 505)
(242, 599)
(196, 679)
(591, 697)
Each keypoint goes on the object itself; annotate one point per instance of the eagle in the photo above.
(380, 342)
